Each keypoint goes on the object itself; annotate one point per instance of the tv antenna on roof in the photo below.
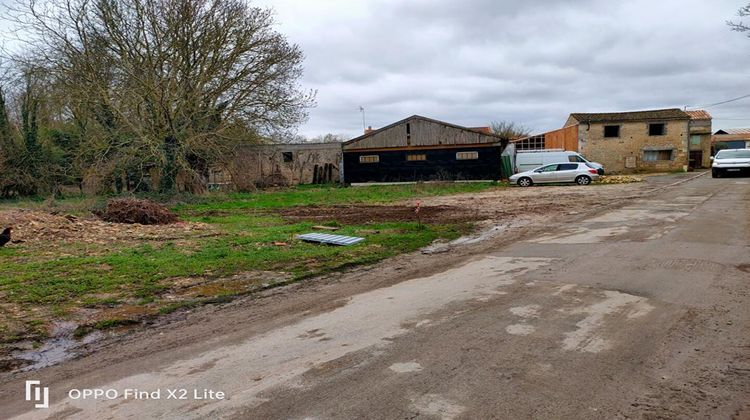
(362, 110)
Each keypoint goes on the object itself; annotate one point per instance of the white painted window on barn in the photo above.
(413, 158)
(467, 155)
(369, 159)
(656, 155)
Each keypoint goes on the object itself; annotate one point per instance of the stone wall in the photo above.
(701, 128)
(625, 153)
(279, 164)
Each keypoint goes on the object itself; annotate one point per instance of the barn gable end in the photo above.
(417, 132)
(423, 149)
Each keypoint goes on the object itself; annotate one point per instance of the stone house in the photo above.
(653, 140)
(700, 139)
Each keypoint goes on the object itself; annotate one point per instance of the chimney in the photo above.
(369, 130)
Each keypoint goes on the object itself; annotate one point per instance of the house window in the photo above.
(611, 131)
(287, 156)
(695, 140)
(655, 155)
(657, 129)
(416, 157)
(467, 155)
(369, 159)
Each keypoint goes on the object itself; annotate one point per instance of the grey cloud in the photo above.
(533, 62)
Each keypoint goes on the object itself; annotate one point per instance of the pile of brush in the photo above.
(132, 210)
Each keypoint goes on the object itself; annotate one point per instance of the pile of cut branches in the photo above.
(132, 210)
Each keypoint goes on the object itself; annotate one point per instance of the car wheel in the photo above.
(583, 180)
(525, 182)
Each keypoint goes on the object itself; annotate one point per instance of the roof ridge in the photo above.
(416, 116)
(649, 114)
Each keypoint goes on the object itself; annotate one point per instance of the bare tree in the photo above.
(167, 84)
(509, 130)
(741, 26)
(329, 138)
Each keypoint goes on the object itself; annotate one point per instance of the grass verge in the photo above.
(255, 249)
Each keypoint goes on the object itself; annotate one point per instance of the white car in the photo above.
(580, 173)
(730, 161)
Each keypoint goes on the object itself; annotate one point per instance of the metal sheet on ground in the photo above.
(325, 238)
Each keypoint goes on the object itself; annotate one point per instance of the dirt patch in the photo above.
(196, 287)
(437, 214)
(363, 214)
(33, 227)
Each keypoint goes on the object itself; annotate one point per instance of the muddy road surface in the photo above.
(640, 310)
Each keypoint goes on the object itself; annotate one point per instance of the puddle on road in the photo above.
(483, 235)
(62, 346)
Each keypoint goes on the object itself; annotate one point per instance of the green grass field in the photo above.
(41, 284)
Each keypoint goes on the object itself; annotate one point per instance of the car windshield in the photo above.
(734, 154)
(577, 158)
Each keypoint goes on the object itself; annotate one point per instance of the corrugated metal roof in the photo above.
(699, 114)
(734, 131)
(330, 239)
(373, 132)
(656, 114)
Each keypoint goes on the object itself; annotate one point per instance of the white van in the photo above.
(527, 160)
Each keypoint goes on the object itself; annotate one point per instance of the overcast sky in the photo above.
(534, 62)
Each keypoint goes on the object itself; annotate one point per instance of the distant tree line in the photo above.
(128, 90)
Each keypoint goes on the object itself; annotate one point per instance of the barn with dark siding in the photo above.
(422, 149)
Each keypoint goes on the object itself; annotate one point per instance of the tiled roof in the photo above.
(656, 114)
(699, 114)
